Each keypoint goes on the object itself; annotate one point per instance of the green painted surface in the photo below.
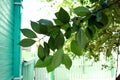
(8, 40)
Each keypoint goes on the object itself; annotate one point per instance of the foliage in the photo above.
(91, 28)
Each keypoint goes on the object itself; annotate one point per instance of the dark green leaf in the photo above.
(81, 11)
(41, 53)
(63, 16)
(56, 60)
(54, 31)
(46, 49)
(46, 23)
(51, 43)
(108, 53)
(39, 28)
(27, 42)
(35, 26)
(81, 39)
(91, 32)
(102, 18)
(28, 33)
(93, 1)
(59, 40)
(75, 48)
(68, 33)
(67, 61)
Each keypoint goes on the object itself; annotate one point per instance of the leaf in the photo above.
(46, 49)
(81, 11)
(108, 53)
(51, 43)
(59, 40)
(93, 1)
(35, 26)
(81, 39)
(27, 42)
(66, 26)
(67, 61)
(63, 16)
(56, 60)
(75, 48)
(91, 32)
(39, 28)
(46, 23)
(44, 63)
(102, 18)
(58, 22)
(54, 31)
(41, 53)
(40, 64)
(28, 33)
(68, 33)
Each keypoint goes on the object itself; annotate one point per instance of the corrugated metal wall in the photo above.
(7, 15)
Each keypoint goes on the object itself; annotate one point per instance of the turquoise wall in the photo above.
(9, 37)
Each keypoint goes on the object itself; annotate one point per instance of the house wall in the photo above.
(7, 40)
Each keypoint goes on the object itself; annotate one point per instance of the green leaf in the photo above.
(63, 16)
(81, 11)
(27, 42)
(35, 26)
(91, 32)
(45, 63)
(39, 28)
(108, 53)
(40, 64)
(59, 40)
(102, 18)
(28, 33)
(66, 26)
(51, 43)
(46, 49)
(75, 48)
(56, 60)
(68, 33)
(93, 1)
(67, 61)
(46, 23)
(41, 53)
(58, 22)
(54, 31)
(81, 39)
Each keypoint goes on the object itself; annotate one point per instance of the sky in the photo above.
(34, 10)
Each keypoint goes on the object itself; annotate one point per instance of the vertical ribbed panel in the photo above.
(6, 39)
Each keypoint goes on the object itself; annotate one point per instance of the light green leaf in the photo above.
(56, 60)
(67, 61)
(27, 42)
(28, 33)
(63, 16)
(45, 63)
(81, 11)
(40, 64)
(81, 39)
(75, 48)
(41, 53)
(58, 22)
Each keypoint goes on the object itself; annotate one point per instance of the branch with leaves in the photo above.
(90, 32)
